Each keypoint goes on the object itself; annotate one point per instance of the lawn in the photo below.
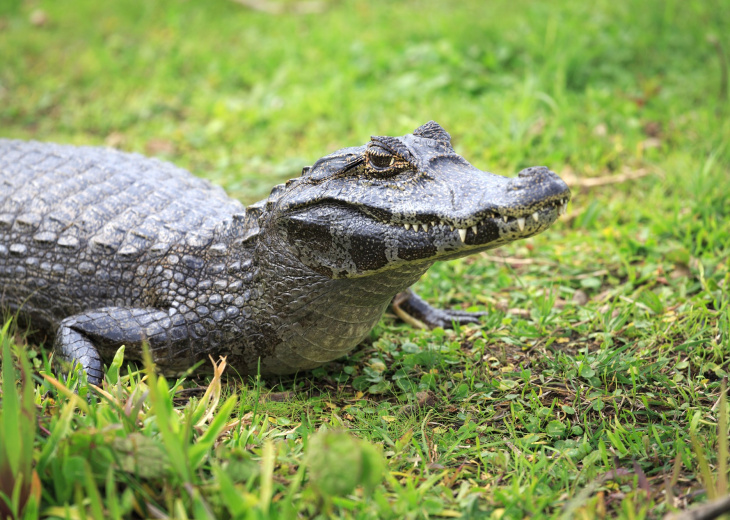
(592, 387)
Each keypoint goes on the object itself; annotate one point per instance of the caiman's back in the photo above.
(76, 223)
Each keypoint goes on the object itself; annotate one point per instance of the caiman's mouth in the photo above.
(480, 227)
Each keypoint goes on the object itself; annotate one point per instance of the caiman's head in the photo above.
(406, 200)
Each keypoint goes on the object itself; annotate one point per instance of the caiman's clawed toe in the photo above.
(415, 311)
(104, 249)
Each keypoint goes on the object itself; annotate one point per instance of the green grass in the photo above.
(608, 335)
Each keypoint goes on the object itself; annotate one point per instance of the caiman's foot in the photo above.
(412, 309)
(80, 337)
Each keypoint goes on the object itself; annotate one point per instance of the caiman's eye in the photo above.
(383, 163)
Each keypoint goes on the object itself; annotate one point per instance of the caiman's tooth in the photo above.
(433, 224)
(415, 227)
(504, 217)
(462, 234)
(474, 230)
(407, 226)
(425, 227)
(521, 223)
(565, 207)
(535, 216)
(451, 227)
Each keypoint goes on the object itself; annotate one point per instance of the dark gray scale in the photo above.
(101, 249)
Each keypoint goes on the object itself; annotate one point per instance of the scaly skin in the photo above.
(102, 249)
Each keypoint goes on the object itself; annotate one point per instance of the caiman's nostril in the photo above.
(533, 171)
(537, 182)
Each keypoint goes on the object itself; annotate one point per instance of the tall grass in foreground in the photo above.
(20, 488)
(135, 449)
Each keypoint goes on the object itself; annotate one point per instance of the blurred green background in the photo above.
(247, 97)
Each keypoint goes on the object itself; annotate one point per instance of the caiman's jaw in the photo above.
(479, 230)
(407, 201)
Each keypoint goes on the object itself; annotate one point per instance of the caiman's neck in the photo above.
(319, 319)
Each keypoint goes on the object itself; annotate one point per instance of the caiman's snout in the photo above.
(536, 184)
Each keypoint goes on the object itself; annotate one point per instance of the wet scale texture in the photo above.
(101, 248)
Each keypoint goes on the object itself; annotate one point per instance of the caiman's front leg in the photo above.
(89, 337)
(415, 311)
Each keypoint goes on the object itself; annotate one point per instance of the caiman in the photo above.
(100, 248)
